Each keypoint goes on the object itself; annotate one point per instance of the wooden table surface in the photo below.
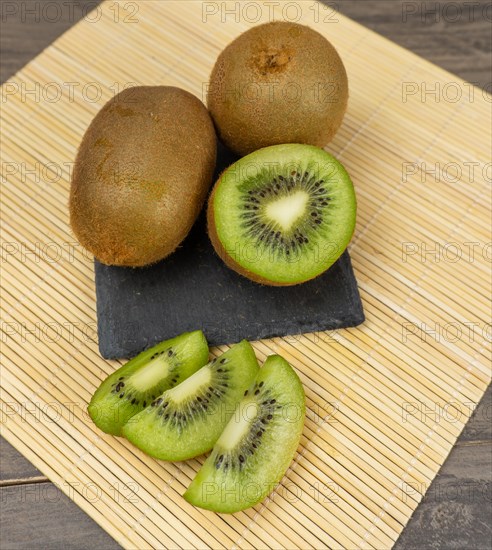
(457, 510)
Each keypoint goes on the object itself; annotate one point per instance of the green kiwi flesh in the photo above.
(187, 420)
(283, 214)
(257, 445)
(136, 384)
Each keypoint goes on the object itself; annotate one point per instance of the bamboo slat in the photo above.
(386, 400)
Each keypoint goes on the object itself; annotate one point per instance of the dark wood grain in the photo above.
(39, 515)
(454, 35)
(29, 26)
(480, 426)
(14, 466)
(456, 510)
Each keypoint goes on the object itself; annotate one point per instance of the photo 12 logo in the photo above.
(449, 412)
(71, 92)
(451, 332)
(267, 12)
(272, 92)
(446, 92)
(51, 493)
(453, 173)
(452, 252)
(446, 12)
(70, 11)
(324, 493)
(442, 490)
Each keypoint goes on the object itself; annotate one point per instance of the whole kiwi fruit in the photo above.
(277, 83)
(141, 175)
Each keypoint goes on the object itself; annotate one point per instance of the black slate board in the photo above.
(193, 289)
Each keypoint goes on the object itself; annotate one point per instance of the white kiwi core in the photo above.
(148, 376)
(239, 424)
(190, 386)
(287, 210)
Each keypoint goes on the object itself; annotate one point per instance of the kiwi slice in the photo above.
(283, 214)
(136, 384)
(257, 445)
(187, 420)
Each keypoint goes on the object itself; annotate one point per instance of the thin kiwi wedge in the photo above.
(283, 214)
(136, 384)
(187, 420)
(257, 445)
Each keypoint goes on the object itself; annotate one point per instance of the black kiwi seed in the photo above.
(269, 233)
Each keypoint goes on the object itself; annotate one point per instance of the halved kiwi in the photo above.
(187, 420)
(136, 384)
(257, 445)
(283, 214)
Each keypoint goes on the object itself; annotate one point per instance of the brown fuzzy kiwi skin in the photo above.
(250, 83)
(226, 258)
(141, 175)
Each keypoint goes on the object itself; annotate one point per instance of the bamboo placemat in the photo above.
(387, 400)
